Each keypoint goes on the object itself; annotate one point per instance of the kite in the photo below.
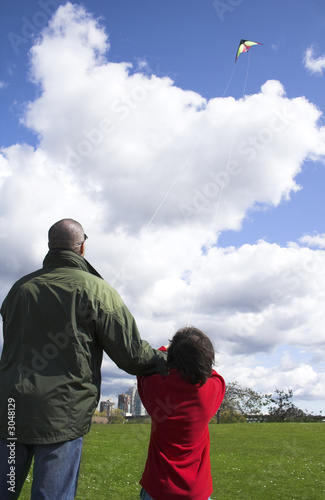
(244, 46)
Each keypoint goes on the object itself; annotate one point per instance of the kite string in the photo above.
(213, 223)
(222, 187)
(157, 209)
(167, 194)
(232, 74)
(169, 190)
(244, 90)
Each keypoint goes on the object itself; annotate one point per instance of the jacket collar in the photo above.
(58, 257)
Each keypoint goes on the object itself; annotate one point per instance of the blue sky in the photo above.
(199, 152)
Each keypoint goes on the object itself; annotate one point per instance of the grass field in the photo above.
(249, 461)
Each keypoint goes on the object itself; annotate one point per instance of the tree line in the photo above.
(243, 403)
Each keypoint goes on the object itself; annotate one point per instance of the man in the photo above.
(57, 322)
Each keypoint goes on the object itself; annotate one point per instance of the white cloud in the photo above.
(154, 173)
(316, 240)
(314, 64)
(132, 130)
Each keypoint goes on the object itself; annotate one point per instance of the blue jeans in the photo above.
(55, 472)
(145, 496)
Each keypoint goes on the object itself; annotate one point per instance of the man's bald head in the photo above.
(67, 234)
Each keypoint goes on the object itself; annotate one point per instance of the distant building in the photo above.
(138, 409)
(132, 393)
(106, 406)
(131, 404)
(124, 404)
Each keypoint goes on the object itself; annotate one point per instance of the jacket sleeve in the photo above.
(147, 386)
(120, 339)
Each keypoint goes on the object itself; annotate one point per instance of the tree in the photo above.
(231, 417)
(282, 409)
(116, 417)
(98, 413)
(238, 402)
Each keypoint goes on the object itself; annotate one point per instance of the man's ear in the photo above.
(82, 249)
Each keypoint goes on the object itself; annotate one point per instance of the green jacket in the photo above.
(57, 322)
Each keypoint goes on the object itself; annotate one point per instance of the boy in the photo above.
(181, 405)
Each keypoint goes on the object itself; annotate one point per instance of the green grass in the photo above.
(249, 461)
(268, 461)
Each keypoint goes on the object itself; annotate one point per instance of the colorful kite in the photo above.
(244, 46)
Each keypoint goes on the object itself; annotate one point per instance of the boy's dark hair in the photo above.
(191, 353)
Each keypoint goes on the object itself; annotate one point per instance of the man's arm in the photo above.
(121, 341)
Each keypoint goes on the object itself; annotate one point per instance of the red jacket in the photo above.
(178, 463)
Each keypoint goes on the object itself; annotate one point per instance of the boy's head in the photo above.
(191, 353)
